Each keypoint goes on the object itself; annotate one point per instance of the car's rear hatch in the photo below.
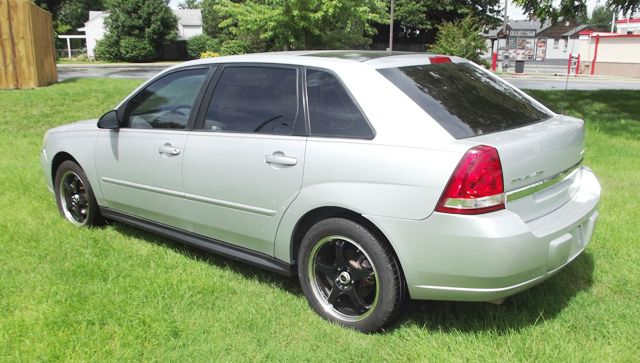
(539, 164)
(539, 150)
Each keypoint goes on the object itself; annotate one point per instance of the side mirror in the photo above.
(109, 120)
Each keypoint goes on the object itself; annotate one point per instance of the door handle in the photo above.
(168, 150)
(280, 159)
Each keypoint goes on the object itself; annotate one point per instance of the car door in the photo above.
(244, 166)
(140, 164)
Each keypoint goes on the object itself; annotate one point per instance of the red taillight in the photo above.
(439, 59)
(476, 184)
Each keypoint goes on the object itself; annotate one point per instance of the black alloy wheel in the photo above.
(349, 275)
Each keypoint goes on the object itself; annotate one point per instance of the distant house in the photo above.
(532, 40)
(522, 38)
(189, 24)
(558, 40)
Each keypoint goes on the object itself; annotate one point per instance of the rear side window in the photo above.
(332, 111)
(465, 100)
(254, 100)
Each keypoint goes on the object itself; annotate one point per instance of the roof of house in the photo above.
(577, 30)
(189, 17)
(523, 24)
(558, 29)
(529, 24)
(93, 16)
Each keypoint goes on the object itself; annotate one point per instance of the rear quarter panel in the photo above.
(369, 179)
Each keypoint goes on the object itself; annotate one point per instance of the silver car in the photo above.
(373, 177)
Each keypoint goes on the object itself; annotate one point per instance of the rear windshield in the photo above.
(463, 99)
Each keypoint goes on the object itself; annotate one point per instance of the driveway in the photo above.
(542, 81)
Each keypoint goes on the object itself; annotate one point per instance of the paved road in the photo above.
(579, 83)
(528, 81)
(137, 71)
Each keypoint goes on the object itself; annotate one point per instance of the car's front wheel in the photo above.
(349, 275)
(74, 196)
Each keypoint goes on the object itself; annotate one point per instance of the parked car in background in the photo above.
(373, 177)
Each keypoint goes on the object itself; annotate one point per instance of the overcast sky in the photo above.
(513, 11)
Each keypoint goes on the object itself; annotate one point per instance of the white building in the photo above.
(93, 30)
(611, 54)
(189, 24)
(628, 26)
(558, 41)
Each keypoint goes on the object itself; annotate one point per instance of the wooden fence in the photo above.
(27, 52)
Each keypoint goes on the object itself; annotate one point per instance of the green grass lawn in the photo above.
(120, 294)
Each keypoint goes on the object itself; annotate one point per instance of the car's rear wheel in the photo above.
(74, 196)
(349, 275)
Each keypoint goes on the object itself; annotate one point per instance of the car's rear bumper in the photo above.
(494, 255)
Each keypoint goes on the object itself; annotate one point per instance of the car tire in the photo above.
(74, 196)
(350, 276)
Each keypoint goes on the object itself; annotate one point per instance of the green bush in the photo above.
(107, 49)
(485, 63)
(136, 50)
(200, 44)
(461, 38)
(209, 54)
(231, 47)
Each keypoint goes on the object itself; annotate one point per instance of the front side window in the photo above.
(332, 111)
(254, 100)
(167, 102)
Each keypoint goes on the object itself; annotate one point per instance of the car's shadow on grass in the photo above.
(534, 306)
(247, 271)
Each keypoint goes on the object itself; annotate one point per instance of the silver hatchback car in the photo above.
(374, 177)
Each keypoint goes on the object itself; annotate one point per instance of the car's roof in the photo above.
(372, 58)
(354, 55)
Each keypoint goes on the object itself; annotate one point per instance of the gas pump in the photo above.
(505, 61)
(573, 65)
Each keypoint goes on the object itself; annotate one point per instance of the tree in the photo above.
(460, 38)
(601, 18)
(190, 4)
(416, 21)
(74, 13)
(292, 24)
(68, 15)
(571, 9)
(135, 26)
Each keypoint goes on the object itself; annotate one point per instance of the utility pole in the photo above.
(391, 29)
(505, 54)
(504, 27)
(613, 18)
